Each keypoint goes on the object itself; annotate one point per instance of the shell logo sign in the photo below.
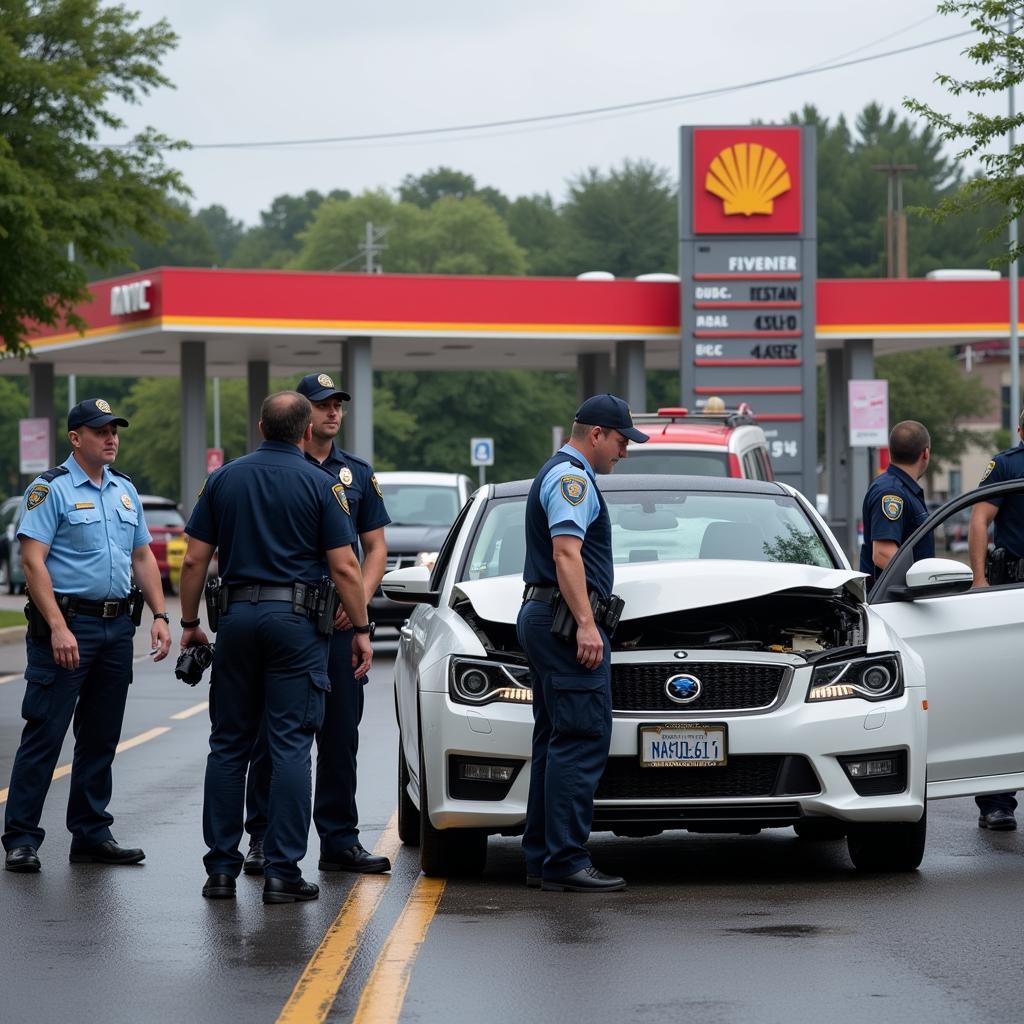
(747, 182)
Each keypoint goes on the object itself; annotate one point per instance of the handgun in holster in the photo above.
(327, 600)
(38, 627)
(216, 596)
(996, 569)
(135, 604)
(606, 615)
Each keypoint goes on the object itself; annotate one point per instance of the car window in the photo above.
(767, 473)
(751, 467)
(444, 556)
(420, 504)
(665, 526)
(163, 517)
(677, 463)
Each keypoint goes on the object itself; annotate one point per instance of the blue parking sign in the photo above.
(481, 451)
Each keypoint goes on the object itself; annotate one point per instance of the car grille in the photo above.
(744, 776)
(726, 685)
(400, 561)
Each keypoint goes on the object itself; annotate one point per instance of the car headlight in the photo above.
(475, 681)
(877, 678)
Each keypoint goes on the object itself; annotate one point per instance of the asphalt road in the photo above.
(713, 929)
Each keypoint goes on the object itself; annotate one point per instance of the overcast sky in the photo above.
(261, 70)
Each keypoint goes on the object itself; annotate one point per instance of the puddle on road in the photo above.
(788, 931)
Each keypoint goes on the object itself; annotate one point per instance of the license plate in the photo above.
(682, 745)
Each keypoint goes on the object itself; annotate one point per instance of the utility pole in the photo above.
(1014, 296)
(374, 245)
(895, 219)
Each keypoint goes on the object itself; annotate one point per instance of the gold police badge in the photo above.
(892, 506)
(339, 493)
(102, 406)
(126, 501)
(345, 476)
(324, 381)
(37, 496)
(573, 488)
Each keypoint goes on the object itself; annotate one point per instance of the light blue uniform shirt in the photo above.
(569, 498)
(91, 531)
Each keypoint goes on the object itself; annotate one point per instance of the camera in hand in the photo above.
(193, 662)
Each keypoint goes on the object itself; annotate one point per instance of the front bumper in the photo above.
(784, 765)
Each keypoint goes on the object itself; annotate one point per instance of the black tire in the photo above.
(408, 814)
(820, 830)
(448, 852)
(890, 846)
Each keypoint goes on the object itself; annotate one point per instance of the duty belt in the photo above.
(97, 609)
(549, 595)
(254, 593)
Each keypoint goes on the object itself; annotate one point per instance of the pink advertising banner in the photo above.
(869, 413)
(33, 445)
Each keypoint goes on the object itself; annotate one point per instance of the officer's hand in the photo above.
(341, 619)
(160, 639)
(589, 646)
(362, 654)
(979, 584)
(193, 636)
(65, 647)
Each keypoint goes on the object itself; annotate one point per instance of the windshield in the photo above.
(420, 504)
(665, 526)
(677, 463)
(163, 517)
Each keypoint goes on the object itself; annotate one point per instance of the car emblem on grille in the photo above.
(680, 655)
(683, 689)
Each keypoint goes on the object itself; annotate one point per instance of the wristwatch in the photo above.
(162, 615)
(188, 623)
(369, 629)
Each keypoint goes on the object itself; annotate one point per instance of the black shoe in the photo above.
(254, 859)
(107, 853)
(998, 821)
(277, 890)
(533, 881)
(355, 858)
(219, 887)
(22, 859)
(587, 879)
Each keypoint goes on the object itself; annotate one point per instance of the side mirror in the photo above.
(410, 586)
(934, 577)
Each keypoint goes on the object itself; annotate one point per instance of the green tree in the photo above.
(225, 233)
(537, 226)
(274, 242)
(624, 222)
(999, 55)
(445, 183)
(61, 63)
(13, 407)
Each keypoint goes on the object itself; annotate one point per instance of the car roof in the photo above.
(688, 433)
(155, 501)
(612, 482)
(402, 477)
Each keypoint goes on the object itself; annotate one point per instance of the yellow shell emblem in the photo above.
(748, 178)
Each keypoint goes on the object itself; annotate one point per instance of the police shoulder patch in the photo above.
(342, 499)
(376, 486)
(36, 496)
(892, 506)
(988, 470)
(573, 488)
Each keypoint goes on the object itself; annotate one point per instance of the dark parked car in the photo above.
(12, 577)
(422, 507)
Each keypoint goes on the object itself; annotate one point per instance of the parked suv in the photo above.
(724, 444)
(164, 522)
(422, 507)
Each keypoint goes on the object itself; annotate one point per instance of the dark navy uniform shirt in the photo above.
(893, 509)
(565, 500)
(272, 516)
(1009, 521)
(362, 492)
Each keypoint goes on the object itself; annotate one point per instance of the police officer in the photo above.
(995, 810)
(569, 559)
(334, 806)
(894, 504)
(275, 520)
(82, 536)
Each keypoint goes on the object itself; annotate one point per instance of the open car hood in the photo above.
(655, 588)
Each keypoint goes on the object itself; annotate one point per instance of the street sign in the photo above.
(33, 445)
(214, 459)
(869, 413)
(481, 451)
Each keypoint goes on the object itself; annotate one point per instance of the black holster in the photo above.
(38, 627)
(216, 596)
(997, 567)
(326, 606)
(135, 605)
(606, 614)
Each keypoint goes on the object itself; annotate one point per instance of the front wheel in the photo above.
(888, 846)
(446, 852)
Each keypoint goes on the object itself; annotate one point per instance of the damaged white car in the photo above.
(753, 685)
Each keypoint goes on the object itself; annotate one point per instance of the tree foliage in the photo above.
(61, 63)
(999, 55)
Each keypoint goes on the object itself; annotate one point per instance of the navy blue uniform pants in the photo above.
(93, 697)
(997, 802)
(572, 728)
(270, 667)
(337, 743)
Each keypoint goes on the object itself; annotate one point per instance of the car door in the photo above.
(972, 645)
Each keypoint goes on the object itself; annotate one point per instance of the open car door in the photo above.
(972, 645)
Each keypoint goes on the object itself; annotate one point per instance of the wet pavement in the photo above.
(715, 929)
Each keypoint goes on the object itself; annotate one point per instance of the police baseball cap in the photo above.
(318, 387)
(609, 411)
(93, 412)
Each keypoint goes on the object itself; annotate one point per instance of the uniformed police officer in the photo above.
(334, 806)
(82, 536)
(1006, 565)
(894, 504)
(275, 520)
(569, 559)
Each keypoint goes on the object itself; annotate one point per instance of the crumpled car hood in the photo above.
(655, 588)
